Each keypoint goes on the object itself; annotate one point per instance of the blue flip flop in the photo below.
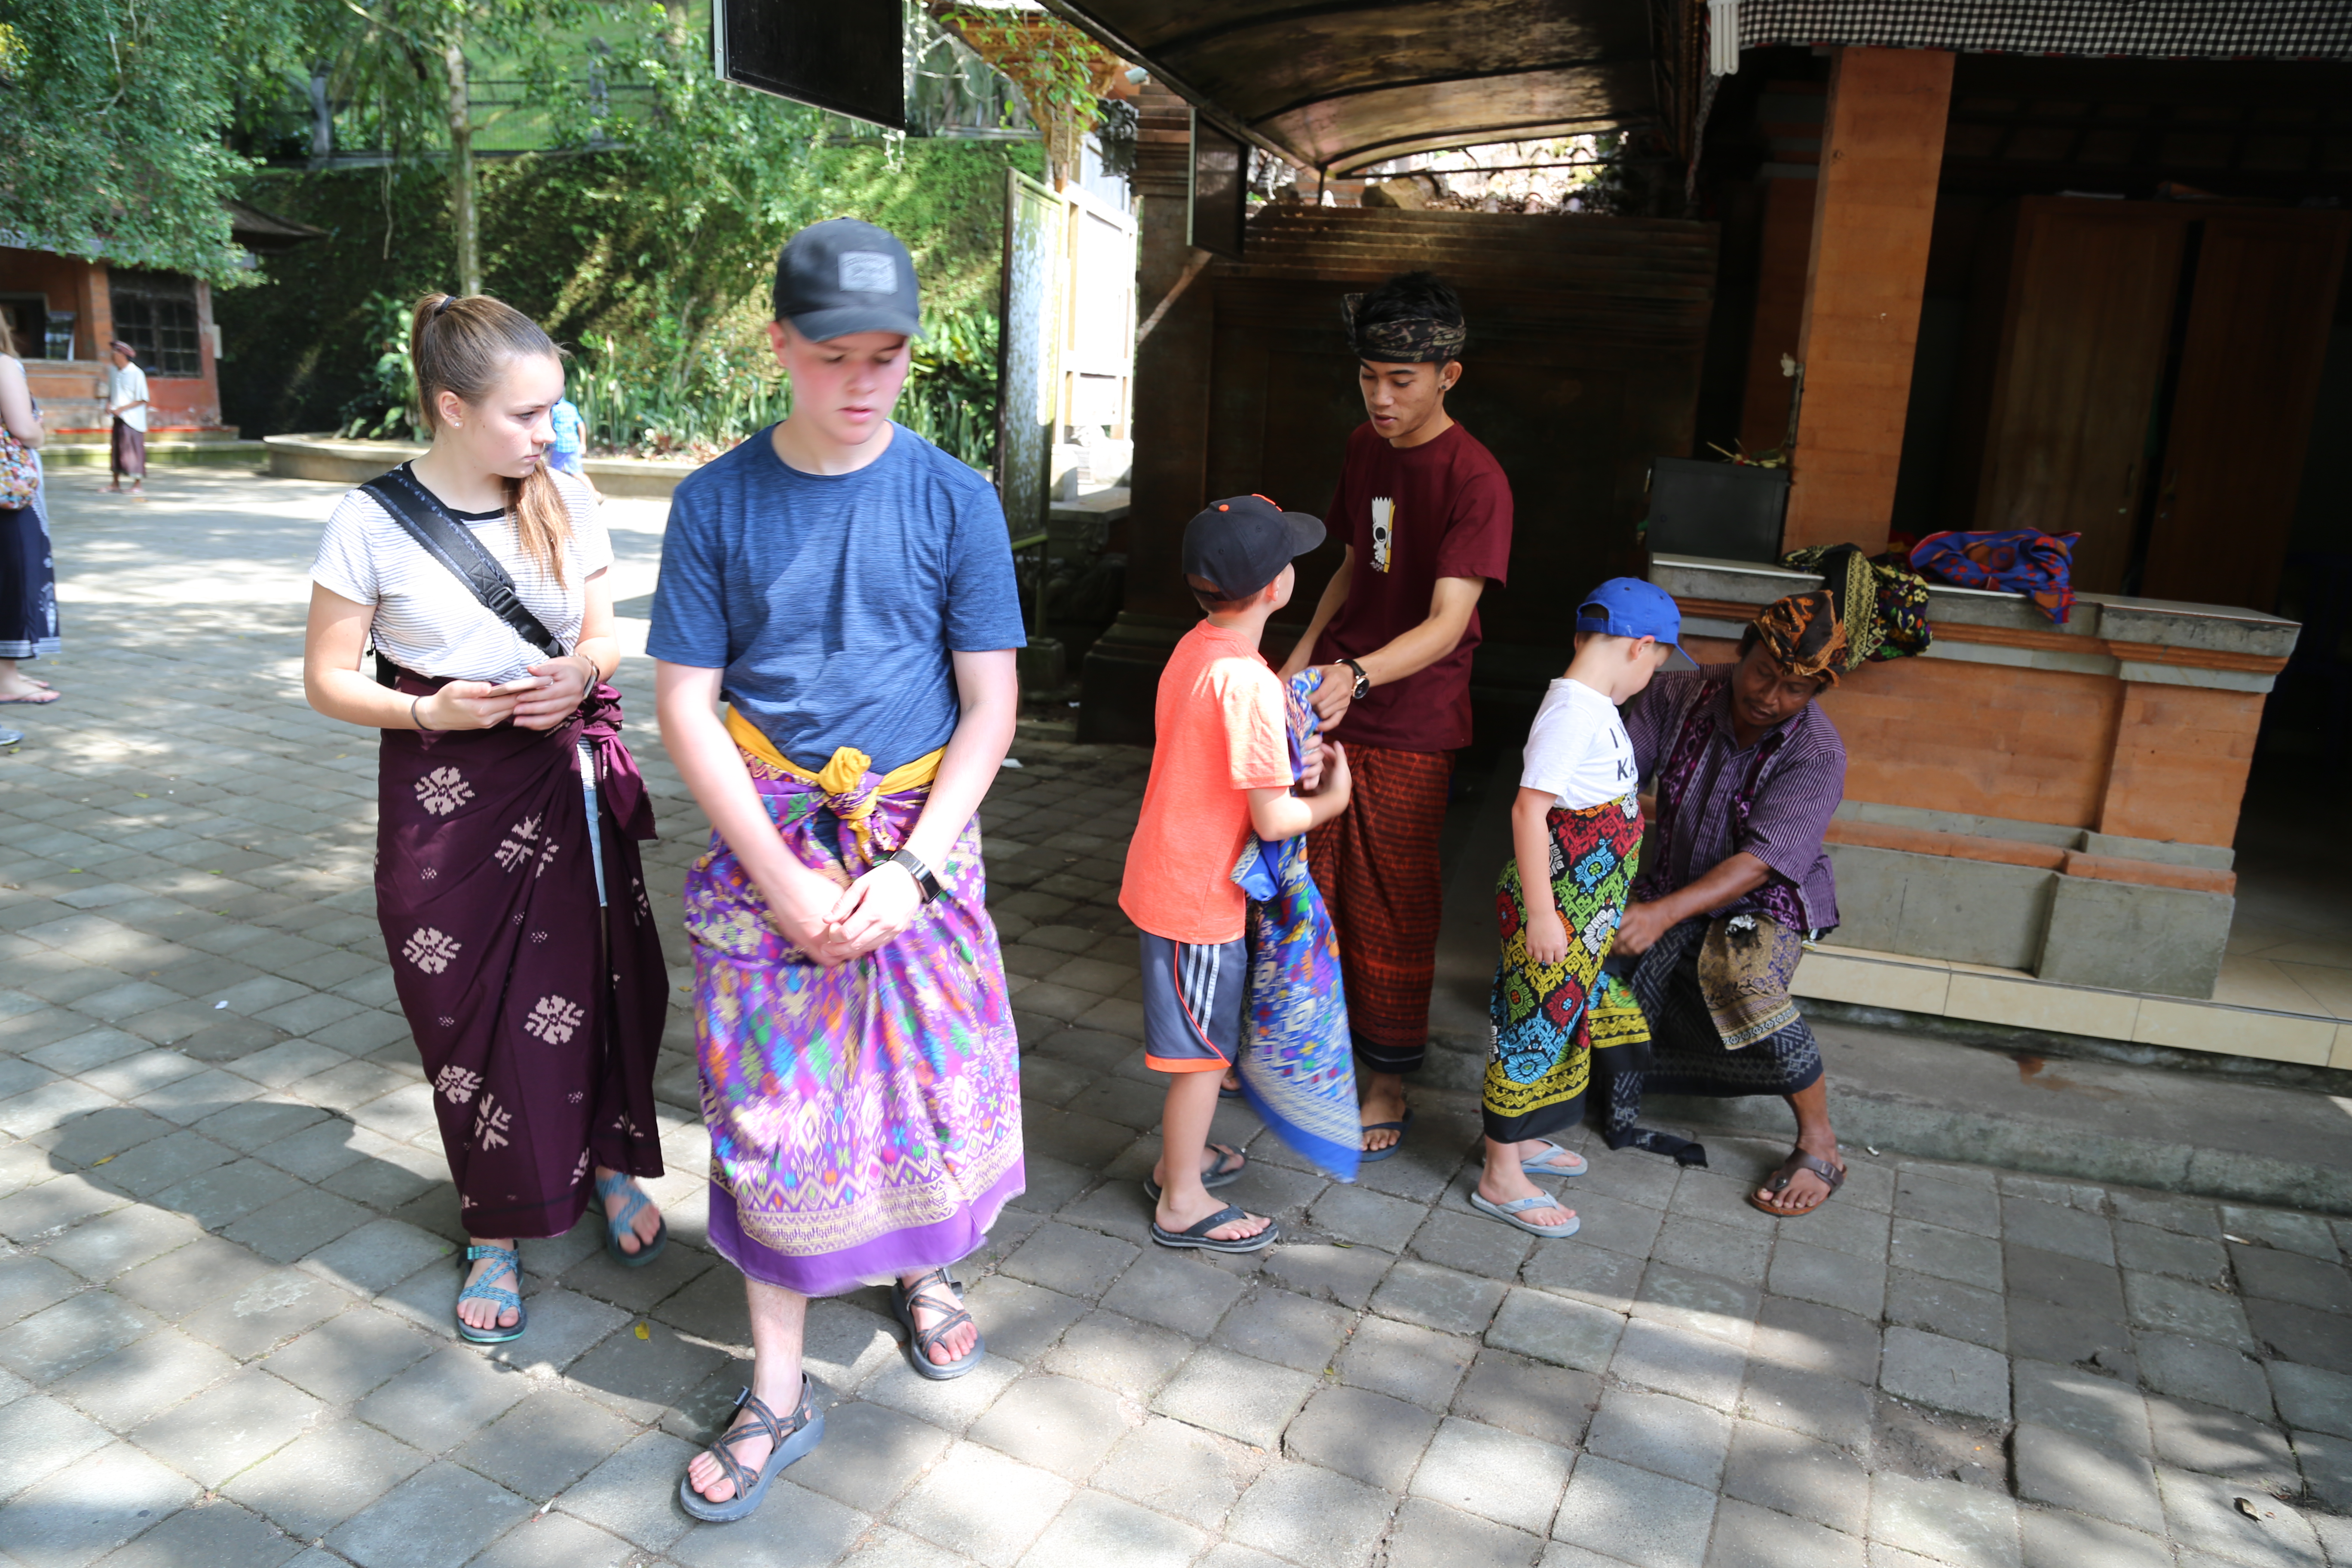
(618, 1226)
(1402, 1129)
(1197, 1236)
(1540, 1165)
(508, 1266)
(1509, 1213)
(806, 1432)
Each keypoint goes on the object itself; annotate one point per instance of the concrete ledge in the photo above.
(163, 452)
(339, 461)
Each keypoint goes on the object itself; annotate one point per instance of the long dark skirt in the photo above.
(537, 1016)
(29, 584)
(1685, 1054)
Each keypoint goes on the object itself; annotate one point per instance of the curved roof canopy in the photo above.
(1338, 84)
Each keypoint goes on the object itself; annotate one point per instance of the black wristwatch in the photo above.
(1363, 681)
(925, 883)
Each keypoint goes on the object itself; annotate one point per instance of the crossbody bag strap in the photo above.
(456, 548)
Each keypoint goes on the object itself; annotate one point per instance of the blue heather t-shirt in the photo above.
(565, 420)
(831, 601)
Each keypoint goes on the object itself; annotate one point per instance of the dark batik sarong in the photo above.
(1376, 864)
(1701, 987)
(1550, 1017)
(865, 1120)
(537, 1015)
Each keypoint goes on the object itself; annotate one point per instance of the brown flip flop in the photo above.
(1778, 1182)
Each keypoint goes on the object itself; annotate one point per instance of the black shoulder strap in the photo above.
(462, 554)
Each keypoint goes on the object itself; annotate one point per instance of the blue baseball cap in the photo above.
(1629, 607)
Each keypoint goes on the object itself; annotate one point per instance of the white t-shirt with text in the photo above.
(427, 619)
(1577, 751)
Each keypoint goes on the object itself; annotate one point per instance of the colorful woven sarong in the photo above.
(1297, 1068)
(2019, 560)
(864, 1121)
(1548, 1018)
(1745, 967)
(1376, 864)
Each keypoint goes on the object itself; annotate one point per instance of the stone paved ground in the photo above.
(225, 1304)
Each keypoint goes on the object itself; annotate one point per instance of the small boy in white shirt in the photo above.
(1575, 830)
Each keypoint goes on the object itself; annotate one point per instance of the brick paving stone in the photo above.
(870, 1454)
(32, 1284)
(2159, 1250)
(1057, 1423)
(2313, 1397)
(350, 1354)
(1552, 1404)
(2287, 1275)
(1310, 1516)
(1437, 1298)
(1946, 1253)
(274, 1307)
(1367, 1218)
(1703, 1303)
(1925, 1195)
(2085, 1404)
(88, 1508)
(1347, 1275)
(2300, 1334)
(1076, 1262)
(1857, 1285)
(640, 1378)
(1371, 1436)
(2043, 1330)
(1635, 1514)
(1747, 1536)
(1284, 1328)
(1679, 1361)
(213, 1532)
(1175, 1290)
(145, 1378)
(440, 1402)
(1407, 1362)
(844, 1344)
(2304, 1232)
(1943, 1519)
(298, 1224)
(2200, 1513)
(444, 1513)
(1948, 1308)
(2217, 1442)
(982, 1504)
(191, 1277)
(2327, 1463)
(953, 1404)
(1502, 1476)
(257, 1124)
(1552, 1329)
(226, 1193)
(377, 1255)
(2068, 1471)
(2058, 1539)
(38, 1435)
(102, 1248)
(2205, 1372)
(2186, 1307)
(557, 1540)
(632, 1494)
(1129, 1358)
(1813, 1403)
(1249, 1400)
(1177, 1468)
(75, 1332)
(1951, 1375)
(229, 1426)
(1793, 1474)
(1096, 1528)
(1659, 1432)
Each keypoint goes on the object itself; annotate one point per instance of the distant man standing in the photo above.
(126, 402)
(1426, 513)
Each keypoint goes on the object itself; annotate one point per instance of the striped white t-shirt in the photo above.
(426, 619)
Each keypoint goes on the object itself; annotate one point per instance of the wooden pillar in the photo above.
(1881, 153)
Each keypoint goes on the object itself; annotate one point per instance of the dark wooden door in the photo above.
(2089, 307)
(2250, 366)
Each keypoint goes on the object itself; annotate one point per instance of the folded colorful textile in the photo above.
(1298, 1066)
(1882, 603)
(2018, 561)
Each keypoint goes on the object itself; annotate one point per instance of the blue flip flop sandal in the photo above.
(617, 1226)
(1509, 1213)
(1402, 1129)
(1541, 1165)
(1225, 1175)
(1197, 1236)
(806, 1432)
(920, 1340)
(508, 1266)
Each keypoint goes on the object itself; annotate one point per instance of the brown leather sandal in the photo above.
(1778, 1182)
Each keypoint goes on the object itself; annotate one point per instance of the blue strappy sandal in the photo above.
(617, 1226)
(806, 1432)
(508, 1266)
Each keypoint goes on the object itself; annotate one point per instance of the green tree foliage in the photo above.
(111, 112)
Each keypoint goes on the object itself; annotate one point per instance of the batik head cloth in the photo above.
(1413, 339)
(1803, 632)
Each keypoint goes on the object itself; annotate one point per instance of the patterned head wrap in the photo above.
(1804, 634)
(1417, 340)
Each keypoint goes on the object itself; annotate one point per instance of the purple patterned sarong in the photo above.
(538, 1021)
(864, 1121)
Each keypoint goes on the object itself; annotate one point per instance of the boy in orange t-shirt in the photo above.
(1220, 771)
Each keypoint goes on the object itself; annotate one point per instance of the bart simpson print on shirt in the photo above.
(1383, 531)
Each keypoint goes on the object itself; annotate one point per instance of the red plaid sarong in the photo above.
(1376, 866)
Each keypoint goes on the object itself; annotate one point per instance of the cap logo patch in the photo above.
(869, 272)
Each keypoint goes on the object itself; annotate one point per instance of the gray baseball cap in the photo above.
(841, 276)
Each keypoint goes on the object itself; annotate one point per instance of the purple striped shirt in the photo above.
(1793, 794)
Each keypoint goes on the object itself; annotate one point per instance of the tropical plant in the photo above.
(1062, 73)
(110, 120)
(385, 408)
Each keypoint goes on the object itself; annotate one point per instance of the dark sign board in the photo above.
(849, 56)
(1220, 190)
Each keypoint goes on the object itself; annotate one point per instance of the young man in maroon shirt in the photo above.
(1426, 515)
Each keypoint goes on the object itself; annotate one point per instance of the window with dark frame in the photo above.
(155, 313)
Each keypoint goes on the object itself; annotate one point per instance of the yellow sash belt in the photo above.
(841, 775)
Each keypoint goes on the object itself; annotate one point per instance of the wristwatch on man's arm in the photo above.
(1363, 682)
(925, 883)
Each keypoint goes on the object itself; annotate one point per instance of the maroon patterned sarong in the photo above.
(538, 1022)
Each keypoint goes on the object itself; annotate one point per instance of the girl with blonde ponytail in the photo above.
(509, 814)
